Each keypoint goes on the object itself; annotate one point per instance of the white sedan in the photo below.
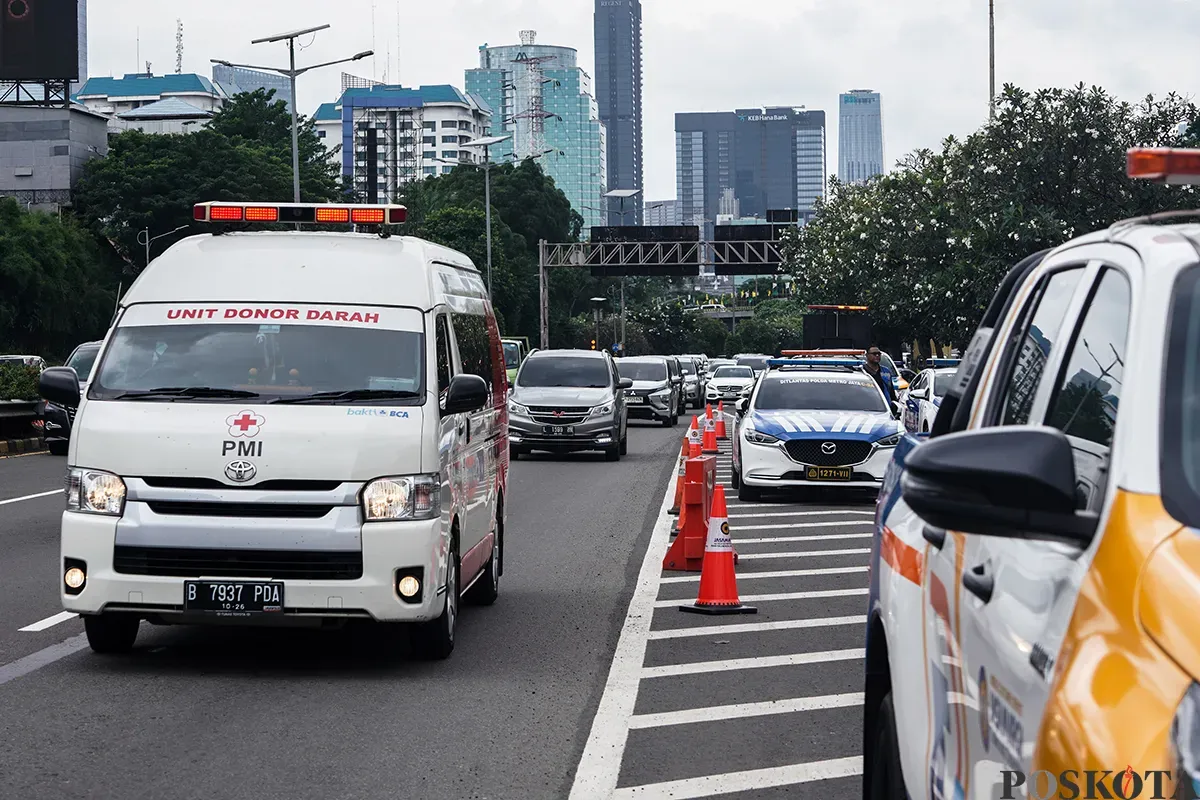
(729, 383)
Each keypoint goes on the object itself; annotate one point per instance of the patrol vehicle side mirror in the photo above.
(740, 406)
(920, 394)
(626, 383)
(466, 393)
(897, 410)
(1012, 482)
(60, 385)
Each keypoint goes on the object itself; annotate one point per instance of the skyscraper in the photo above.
(860, 136)
(618, 32)
(539, 94)
(749, 160)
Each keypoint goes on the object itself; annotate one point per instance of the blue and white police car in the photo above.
(924, 395)
(812, 421)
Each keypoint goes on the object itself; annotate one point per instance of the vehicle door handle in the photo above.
(464, 428)
(935, 536)
(979, 582)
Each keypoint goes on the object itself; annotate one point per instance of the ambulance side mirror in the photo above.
(60, 385)
(1012, 482)
(467, 393)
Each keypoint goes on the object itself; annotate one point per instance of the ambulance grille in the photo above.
(183, 562)
(256, 510)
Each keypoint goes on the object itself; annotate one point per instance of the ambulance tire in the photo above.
(434, 640)
(746, 493)
(111, 634)
(487, 589)
(58, 448)
(887, 780)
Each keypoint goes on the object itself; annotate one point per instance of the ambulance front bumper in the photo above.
(388, 551)
(770, 465)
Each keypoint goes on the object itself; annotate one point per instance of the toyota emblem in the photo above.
(240, 471)
(828, 448)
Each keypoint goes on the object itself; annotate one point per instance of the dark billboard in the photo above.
(39, 40)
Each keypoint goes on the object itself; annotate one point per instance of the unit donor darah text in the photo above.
(1096, 784)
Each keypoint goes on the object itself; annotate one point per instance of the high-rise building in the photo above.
(860, 136)
(540, 95)
(662, 212)
(618, 32)
(236, 80)
(747, 162)
(391, 135)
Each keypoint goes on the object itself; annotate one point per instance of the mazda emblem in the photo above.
(828, 448)
(240, 471)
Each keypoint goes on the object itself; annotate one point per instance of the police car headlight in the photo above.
(889, 441)
(600, 411)
(758, 437)
(402, 497)
(1185, 743)
(518, 409)
(95, 492)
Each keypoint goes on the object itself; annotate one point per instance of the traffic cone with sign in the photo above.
(718, 581)
(721, 432)
(695, 438)
(709, 442)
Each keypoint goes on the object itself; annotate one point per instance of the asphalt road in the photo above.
(206, 713)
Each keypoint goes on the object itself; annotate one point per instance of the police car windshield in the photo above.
(794, 393)
(512, 355)
(289, 361)
(574, 371)
(733, 372)
(82, 361)
(642, 370)
(753, 362)
(942, 383)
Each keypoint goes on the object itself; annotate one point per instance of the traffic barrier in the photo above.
(687, 551)
(710, 446)
(718, 579)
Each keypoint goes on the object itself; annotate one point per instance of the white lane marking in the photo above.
(755, 627)
(600, 765)
(799, 514)
(817, 538)
(786, 573)
(49, 622)
(770, 598)
(760, 662)
(791, 525)
(48, 655)
(30, 497)
(745, 710)
(856, 551)
(749, 780)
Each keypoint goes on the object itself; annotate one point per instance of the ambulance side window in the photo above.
(1039, 332)
(474, 346)
(445, 365)
(1086, 401)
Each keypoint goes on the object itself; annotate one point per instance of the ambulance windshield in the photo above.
(217, 361)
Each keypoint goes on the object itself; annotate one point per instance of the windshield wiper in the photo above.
(185, 392)
(352, 394)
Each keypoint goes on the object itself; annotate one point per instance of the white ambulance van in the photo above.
(289, 427)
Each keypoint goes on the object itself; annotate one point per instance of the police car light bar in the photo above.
(825, 353)
(1163, 165)
(943, 362)
(311, 213)
(813, 363)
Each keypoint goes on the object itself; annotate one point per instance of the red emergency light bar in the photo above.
(837, 308)
(1163, 165)
(302, 213)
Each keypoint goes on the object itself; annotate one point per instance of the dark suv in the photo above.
(568, 400)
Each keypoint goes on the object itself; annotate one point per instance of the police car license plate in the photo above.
(829, 473)
(558, 430)
(233, 598)
(635, 399)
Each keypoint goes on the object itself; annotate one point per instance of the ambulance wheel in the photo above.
(434, 640)
(58, 448)
(109, 634)
(487, 588)
(887, 780)
(746, 493)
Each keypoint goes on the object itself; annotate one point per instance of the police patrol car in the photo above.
(813, 421)
(1035, 572)
(289, 427)
(923, 397)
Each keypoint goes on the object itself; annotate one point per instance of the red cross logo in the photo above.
(244, 424)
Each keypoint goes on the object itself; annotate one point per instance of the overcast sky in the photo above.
(927, 57)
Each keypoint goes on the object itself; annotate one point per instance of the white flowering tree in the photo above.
(925, 245)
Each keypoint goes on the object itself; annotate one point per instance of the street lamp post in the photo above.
(597, 305)
(623, 195)
(991, 59)
(486, 143)
(144, 238)
(291, 73)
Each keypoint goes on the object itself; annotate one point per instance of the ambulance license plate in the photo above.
(829, 473)
(233, 598)
(558, 430)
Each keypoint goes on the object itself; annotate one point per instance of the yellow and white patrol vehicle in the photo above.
(1035, 577)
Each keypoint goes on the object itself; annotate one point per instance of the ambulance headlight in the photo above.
(95, 492)
(402, 497)
(1185, 744)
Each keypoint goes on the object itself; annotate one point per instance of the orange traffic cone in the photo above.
(709, 446)
(721, 432)
(708, 411)
(675, 506)
(718, 581)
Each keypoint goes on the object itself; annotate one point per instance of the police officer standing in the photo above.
(879, 371)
